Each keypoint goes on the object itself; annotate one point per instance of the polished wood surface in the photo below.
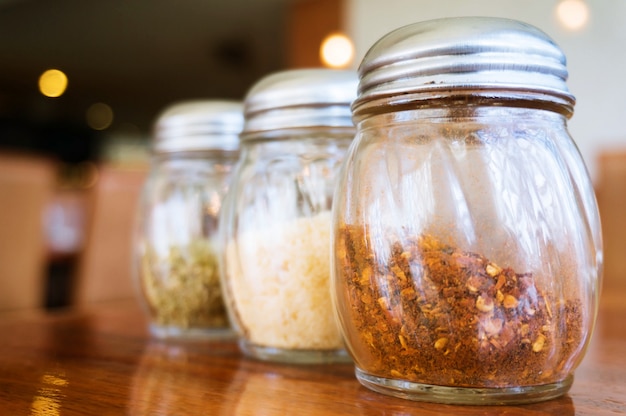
(102, 361)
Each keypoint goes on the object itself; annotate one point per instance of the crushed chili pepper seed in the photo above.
(434, 314)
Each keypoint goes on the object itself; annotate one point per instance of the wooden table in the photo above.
(103, 362)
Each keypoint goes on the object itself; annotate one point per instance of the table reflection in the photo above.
(172, 378)
(50, 395)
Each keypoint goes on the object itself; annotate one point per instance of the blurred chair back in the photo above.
(611, 194)
(27, 184)
(104, 269)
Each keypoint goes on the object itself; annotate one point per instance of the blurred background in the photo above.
(81, 83)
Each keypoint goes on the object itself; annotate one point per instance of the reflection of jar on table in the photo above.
(467, 246)
(276, 217)
(196, 146)
(169, 379)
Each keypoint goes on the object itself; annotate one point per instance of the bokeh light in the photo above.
(572, 14)
(337, 51)
(99, 116)
(52, 83)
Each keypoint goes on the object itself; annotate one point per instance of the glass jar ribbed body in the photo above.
(276, 239)
(466, 252)
(176, 255)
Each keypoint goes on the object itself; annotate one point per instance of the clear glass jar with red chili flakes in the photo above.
(467, 250)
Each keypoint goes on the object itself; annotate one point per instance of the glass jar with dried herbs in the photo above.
(276, 217)
(466, 237)
(195, 149)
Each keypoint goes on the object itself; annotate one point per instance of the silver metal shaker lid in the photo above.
(199, 125)
(484, 56)
(301, 98)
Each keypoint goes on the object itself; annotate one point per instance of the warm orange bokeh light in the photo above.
(52, 83)
(337, 51)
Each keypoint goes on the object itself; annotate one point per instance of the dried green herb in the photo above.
(183, 289)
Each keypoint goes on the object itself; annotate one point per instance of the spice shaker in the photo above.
(466, 254)
(275, 231)
(195, 148)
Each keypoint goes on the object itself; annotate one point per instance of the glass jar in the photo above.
(176, 266)
(276, 216)
(466, 237)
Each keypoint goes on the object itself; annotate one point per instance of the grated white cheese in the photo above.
(279, 284)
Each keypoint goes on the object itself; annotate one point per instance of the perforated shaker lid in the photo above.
(301, 98)
(199, 125)
(486, 56)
